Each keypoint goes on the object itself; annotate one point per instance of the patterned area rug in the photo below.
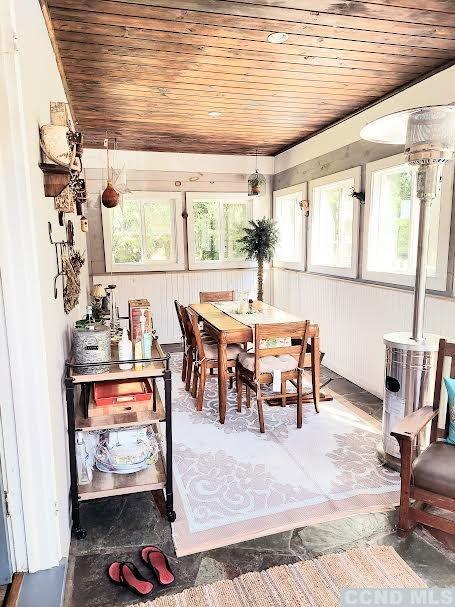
(233, 484)
(316, 583)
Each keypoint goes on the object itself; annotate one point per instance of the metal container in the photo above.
(91, 346)
(410, 368)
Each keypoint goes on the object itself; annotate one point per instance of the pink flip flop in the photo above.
(127, 575)
(158, 562)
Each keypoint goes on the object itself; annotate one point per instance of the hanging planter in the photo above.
(256, 182)
(110, 197)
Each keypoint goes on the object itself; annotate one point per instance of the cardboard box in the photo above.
(134, 307)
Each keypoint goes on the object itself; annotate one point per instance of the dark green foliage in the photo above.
(260, 239)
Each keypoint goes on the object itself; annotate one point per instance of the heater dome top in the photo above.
(433, 124)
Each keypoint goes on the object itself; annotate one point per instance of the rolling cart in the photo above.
(79, 397)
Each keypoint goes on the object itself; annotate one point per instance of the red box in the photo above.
(134, 309)
(107, 393)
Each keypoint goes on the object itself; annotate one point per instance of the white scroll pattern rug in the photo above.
(233, 484)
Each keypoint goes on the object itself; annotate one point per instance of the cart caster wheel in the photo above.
(80, 534)
(171, 516)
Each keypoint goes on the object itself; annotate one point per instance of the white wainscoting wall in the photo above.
(161, 289)
(353, 317)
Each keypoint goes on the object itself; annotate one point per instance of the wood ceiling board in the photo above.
(149, 71)
(309, 73)
(418, 13)
(168, 21)
(170, 80)
(304, 54)
(251, 24)
(259, 10)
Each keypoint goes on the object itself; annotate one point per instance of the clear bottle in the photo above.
(125, 350)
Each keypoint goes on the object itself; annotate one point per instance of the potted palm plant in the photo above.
(258, 242)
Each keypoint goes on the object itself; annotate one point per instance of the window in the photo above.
(291, 220)
(334, 224)
(215, 224)
(144, 232)
(392, 223)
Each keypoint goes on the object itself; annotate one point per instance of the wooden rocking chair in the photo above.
(430, 478)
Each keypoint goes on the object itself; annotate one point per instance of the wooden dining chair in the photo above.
(255, 369)
(215, 296)
(178, 309)
(206, 357)
(190, 344)
(428, 479)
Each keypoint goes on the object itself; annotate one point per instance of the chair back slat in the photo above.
(292, 330)
(215, 296)
(178, 307)
(187, 327)
(198, 342)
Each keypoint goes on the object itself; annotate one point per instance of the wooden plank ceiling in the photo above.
(149, 71)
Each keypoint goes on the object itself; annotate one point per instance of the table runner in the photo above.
(266, 316)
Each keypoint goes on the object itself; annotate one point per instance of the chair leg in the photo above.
(189, 369)
(195, 382)
(239, 388)
(404, 515)
(184, 366)
(299, 401)
(231, 378)
(201, 386)
(248, 395)
(315, 367)
(260, 410)
(283, 392)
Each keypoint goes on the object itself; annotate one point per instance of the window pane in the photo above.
(394, 221)
(206, 230)
(289, 219)
(331, 231)
(158, 230)
(126, 233)
(235, 218)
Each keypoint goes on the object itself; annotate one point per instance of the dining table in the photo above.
(226, 325)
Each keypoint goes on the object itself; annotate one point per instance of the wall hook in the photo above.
(60, 246)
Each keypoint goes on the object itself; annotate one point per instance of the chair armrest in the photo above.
(410, 426)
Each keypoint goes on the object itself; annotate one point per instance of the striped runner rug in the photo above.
(312, 583)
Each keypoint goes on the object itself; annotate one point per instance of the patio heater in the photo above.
(428, 134)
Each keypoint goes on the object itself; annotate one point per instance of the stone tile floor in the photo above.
(118, 527)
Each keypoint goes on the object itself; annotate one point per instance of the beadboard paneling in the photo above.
(161, 289)
(353, 318)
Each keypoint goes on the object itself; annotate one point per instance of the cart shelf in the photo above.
(106, 484)
(126, 419)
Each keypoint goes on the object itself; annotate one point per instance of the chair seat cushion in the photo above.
(434, 469)
(268, 364)
(211, 350)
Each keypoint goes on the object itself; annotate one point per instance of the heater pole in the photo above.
(421, 270)
(428, 183)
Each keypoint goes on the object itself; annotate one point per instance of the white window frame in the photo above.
(351, 272)
(178, 263)
(216, 264)
(301, 263)
(438, 282)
